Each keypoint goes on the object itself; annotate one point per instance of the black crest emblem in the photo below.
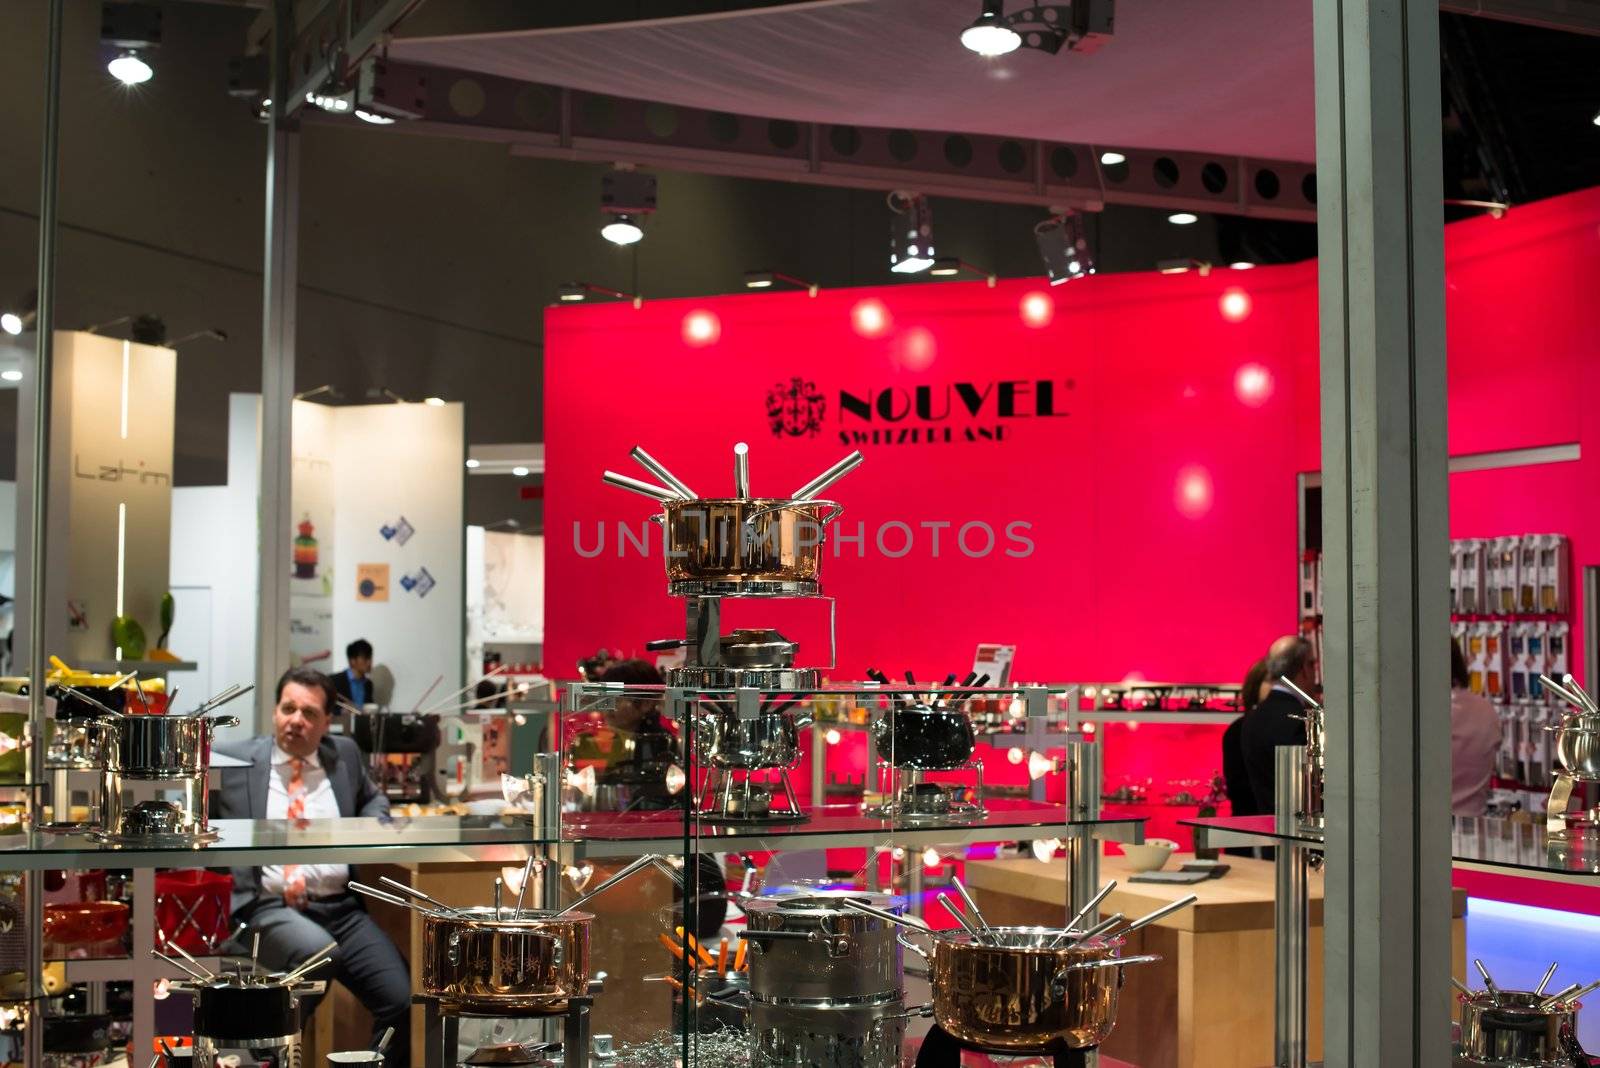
(796, 408)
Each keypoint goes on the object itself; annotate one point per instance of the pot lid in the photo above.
(757, 647)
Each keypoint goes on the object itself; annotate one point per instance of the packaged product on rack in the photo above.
(1504, 554)
(1528, 573)
(1555, 562)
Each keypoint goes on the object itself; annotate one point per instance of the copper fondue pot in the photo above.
(739, 544)
(740, 541)
(475, 961)
(1019, 989)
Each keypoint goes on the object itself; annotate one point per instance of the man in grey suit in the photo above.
(304, 773)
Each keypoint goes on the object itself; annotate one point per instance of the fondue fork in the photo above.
(1165, 910)
(255, 954)
(652, 465)
(960, 917)
(80, 695)
(972, 907)
(417, 705)
(1463, 987)
(828, 477)
(392, 899)
(648, 858)
(522, 887)
(1562, 692)
(184, 954)
(437, 705)
(1548, 972)
(741, 471)
(888, 917)
(413, 892)
(1102, 927)
(1488, 982)
(639, 486)
(1558, 997)
(203, 976)
(1085, 912)
(1583, 695)
(139, 689)
(316, 960)
(1574, 995)
(499, 887)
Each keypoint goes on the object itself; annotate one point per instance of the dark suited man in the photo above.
(302, 772)
(1271, 723)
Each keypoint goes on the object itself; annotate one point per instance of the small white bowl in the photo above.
(1151, 856)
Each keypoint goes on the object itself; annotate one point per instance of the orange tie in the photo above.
(294, 883)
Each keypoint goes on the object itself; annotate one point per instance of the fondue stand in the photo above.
(745, 547)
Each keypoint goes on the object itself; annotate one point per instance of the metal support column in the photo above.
(1589, 670)
(1291, 918)
(38, 509)
(280, 278)
(1084, 781)
(1385, 507)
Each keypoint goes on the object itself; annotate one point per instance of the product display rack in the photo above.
(571, 837)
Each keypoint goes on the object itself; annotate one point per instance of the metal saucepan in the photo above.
(813, 946)
(1577, 746)
(160, 747)
(477, 961)
(1015, 989)
(770, 740)
(1510, 1027)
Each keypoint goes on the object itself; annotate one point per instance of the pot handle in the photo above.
(213, 722)
(901, 937)
(837, 511)
(1058, 982)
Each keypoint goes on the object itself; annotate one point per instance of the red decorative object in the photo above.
(192, 909)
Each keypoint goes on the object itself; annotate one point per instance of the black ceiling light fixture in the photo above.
(129, 31)
(910, 233)
(626, 197)
(1083, 26)
(1063, 242)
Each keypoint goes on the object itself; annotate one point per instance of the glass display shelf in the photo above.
(1523, 848)
(1221, 832)
(1519, 847)
(243, 843)
(837, 826)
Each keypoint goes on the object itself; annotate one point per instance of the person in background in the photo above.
(354, 683)
(631, 746)
(1235, 773)
(1274, 721)
(303, 772)
(1474, 741)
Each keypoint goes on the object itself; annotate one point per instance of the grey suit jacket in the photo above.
(243, 795)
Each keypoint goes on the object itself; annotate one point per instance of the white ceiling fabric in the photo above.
(1232, 77)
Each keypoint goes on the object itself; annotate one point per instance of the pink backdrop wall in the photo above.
(1161, 505)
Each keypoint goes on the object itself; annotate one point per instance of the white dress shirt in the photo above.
(321, 879)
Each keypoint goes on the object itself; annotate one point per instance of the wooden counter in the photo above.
(1208, 1003)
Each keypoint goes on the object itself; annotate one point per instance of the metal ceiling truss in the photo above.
(330, 41)
(557, 123)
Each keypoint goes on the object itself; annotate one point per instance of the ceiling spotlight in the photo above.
(990, 34)
(1040, 765)
(1597, 118)
(1111, 159)
(768, 279)
(520, 472)
(622, 230)
(1183, 218)
(1063, 243)
(373, 117)
(949, 266)
(1183, 264)
(333, 100)
(129, 69)
(626, 197)
(15, 324)
(472, 465)
(1241, 265)
(575, 292)
(910, 233)
(433, 402)
(128, 30)
(12, 375)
